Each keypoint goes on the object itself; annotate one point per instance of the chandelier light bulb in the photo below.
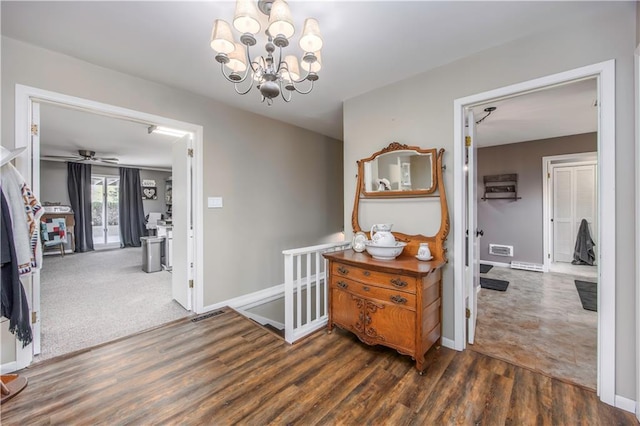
(238, 59)
(222, 37)
(280, 21)
(311, 40)
(245, 19)
(292, 66)
(313, 66)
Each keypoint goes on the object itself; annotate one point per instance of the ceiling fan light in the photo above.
(313, 66)
(293, 73)
(311, 40)
(280, 21)
(245, 19)
(237, 59)
(222, 37)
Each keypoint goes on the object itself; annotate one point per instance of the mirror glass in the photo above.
(399, 171)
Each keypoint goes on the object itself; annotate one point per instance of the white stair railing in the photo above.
(306, 289)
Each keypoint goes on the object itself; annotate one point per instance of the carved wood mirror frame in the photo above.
(437, 190)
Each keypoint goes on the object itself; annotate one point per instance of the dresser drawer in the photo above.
(375, 293)
(392, 281)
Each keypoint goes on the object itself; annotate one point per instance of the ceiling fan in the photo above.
(84, 155)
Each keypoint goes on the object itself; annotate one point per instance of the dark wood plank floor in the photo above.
(227, 370)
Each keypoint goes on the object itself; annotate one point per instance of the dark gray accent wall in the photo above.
(519, 223)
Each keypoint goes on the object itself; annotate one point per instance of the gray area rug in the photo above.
(95, 297)
(588, 293)
(494, 284)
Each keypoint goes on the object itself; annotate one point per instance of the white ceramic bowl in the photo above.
(388, 252)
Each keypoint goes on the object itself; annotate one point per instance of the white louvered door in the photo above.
(574, 199)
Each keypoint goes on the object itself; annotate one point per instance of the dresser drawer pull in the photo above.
(365, 288)
(366, 273)
(343, 270)
(398, 282)
(399, 300)
(342, 284)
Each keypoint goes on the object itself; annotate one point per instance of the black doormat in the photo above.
(485, 268)
(493, 284)
(588, 293)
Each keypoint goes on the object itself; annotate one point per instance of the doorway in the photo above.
(464, 290)
(569, 196)
(27, 119)
(104, 210)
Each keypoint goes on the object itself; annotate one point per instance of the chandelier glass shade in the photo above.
(272, 77)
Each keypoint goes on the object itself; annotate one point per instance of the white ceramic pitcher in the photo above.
(381, 234)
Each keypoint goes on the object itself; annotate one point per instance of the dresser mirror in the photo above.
(398, 171)
(401, 171)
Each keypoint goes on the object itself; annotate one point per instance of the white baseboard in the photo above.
(501, 264)
(448, 343)
(625, 404)
(9, 367)
(250, 300)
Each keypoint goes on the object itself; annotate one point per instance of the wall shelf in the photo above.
(501, 187)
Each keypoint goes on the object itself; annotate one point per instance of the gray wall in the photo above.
(419, 111)
(282, 185)
(53, 183)
(519, 223)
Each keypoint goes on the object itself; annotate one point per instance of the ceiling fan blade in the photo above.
(106, 160)
(66, 157)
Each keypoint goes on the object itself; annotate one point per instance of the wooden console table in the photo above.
(396, 303)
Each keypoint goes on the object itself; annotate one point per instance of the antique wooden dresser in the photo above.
(395, 303)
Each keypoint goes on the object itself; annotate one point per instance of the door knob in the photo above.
(479, 232)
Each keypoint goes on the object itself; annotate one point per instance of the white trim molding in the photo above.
(25, 96)
(604, 73)
(625, 404)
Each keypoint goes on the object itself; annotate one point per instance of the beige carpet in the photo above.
(92, 298)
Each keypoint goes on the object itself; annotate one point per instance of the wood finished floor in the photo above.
(539, 323)
(227, 370)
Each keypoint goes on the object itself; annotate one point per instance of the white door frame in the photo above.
(547, 164)
(637, 230)
(28, 163)
(604, 72)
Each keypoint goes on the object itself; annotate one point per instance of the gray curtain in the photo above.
(79, 187)
(131, 211)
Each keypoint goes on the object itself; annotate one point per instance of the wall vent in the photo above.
(501, 250)
(527, 266)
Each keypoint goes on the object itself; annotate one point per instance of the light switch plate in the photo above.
(214, 202)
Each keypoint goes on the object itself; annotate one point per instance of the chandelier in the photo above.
(271, 77)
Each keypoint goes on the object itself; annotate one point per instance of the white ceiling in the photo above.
(168, 42)
(64, 131)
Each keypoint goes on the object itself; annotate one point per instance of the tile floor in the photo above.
(539, 323)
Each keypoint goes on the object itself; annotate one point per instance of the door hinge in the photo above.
(467, 313)
(467, 140)
(34, 129)
(190, 152)
(548, 175)
(34, 317)
(190, 283)
(548, 255)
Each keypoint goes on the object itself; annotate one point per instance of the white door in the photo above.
(472, 276)
(182, 250)
(574, 199)
(35, 278)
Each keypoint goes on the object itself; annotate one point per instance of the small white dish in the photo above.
(359, 241)
(424, 258)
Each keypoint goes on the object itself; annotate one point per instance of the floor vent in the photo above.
(209, 315)
(501, 250)
(536, 267)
